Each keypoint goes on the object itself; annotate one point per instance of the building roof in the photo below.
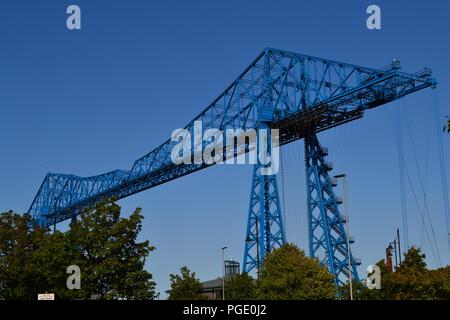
(215, 283)
(209, 285)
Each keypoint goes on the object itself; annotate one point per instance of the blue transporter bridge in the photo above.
(300, 95)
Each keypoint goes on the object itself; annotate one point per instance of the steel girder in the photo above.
(265, 227)
(326, 232)
(307, 94)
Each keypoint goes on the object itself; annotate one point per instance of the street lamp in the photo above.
(347, 230)
(223, 272)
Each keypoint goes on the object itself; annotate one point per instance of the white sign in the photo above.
(46, 296)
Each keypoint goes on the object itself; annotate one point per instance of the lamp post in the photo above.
(347, 230)
(223, 272)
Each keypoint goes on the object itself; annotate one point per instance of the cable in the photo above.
(426, 164)
(423, 222)
(401, 167)
(426, 207)
(392, 127)
(442, 165)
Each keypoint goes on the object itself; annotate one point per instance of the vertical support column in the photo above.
(265, 227)
(326, 231)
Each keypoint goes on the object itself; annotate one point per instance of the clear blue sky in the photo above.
(86, 102)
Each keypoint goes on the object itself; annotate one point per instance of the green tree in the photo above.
(411, 280)
(52, 259)
(440, 283)
(185, 286)
(288, 274)
(360, 292)
(240, 287)
(110, 258)
(102, 244)
(414, 259)
(19, 240)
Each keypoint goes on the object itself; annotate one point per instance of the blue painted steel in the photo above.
(265, 228)
(300, 95)
(326, 232)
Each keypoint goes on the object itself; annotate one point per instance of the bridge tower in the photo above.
(326, 232)
(265, 226)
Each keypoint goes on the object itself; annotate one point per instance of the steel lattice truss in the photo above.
(265, 228)
(295, 93)
(326, 232)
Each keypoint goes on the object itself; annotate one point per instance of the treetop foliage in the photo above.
(101, 243)
(287, 273)
(185, 286)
